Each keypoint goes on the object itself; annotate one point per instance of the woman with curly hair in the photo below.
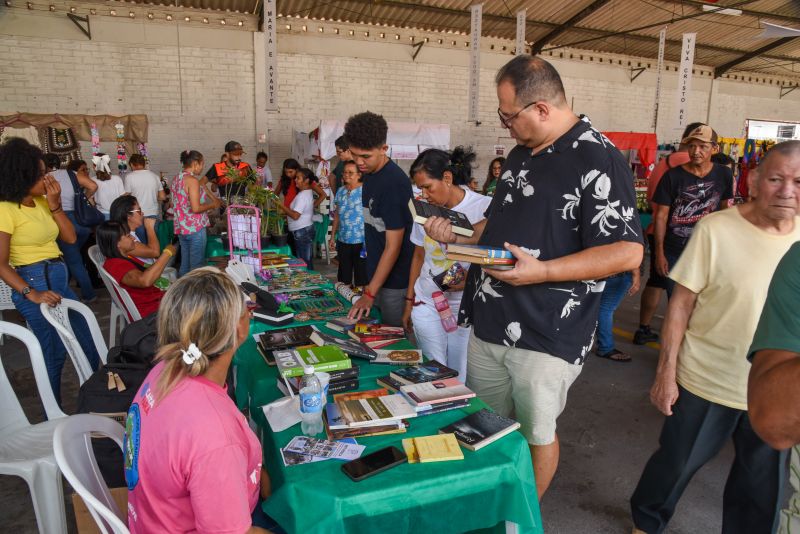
(31, 219)
(493, 176)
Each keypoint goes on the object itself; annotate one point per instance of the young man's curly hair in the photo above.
(19, 168)
(366, 130)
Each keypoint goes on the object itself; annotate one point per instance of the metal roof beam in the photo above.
(748, 12)
(722, 69)
(536, 48)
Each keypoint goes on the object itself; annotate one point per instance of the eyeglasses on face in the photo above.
(506, 121)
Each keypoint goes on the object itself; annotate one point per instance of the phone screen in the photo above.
(374, 462)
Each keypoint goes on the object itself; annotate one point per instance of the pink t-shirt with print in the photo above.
(191, 462)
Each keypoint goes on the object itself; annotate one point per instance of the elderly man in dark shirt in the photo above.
(565, 207)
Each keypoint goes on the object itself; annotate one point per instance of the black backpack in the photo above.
(111, 389)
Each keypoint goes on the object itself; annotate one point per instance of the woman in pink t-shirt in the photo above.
(192, 464)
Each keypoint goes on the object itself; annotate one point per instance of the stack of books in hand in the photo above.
(367, 413)
(495, 258)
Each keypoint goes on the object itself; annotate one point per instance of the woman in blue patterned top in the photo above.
(347, 236)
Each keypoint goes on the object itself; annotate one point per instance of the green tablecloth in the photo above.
(214, 248)
(488, 487)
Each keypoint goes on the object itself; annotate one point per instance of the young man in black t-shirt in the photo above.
(387, 219)
(685, 195)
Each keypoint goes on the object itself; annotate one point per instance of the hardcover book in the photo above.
(480, 429)
(438, 391)
(291, 362)
(399, 357)
(424, 372)
(349, 346)
(422, 210)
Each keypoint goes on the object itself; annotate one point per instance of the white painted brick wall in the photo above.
(212, 99)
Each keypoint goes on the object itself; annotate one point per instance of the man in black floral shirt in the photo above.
(565, 207)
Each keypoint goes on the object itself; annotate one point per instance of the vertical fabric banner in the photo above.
(475, 63)
(685, 80)
(271, 53)
(521, 14)
(662, 41)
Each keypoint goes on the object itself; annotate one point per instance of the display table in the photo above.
(484, 491)
(214, 248)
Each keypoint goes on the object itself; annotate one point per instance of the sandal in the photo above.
(615, 356)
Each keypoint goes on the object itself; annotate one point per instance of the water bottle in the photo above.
(445, 314)
(311, 402)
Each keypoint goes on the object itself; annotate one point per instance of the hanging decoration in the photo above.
(95, 138)
(142, 148)
(61, 142)
(122, 158)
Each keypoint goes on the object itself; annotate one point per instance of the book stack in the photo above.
(480, 429)
(342, 380)
(351, 347)
(496, 258)
(285, 338)
(324, 359)
(367, 413)
(415, 383)
(376, 336)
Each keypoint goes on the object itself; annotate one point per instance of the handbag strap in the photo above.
(76, 188)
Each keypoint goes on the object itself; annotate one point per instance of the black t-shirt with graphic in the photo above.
(385, 197)
(576, 194)
(690, 198)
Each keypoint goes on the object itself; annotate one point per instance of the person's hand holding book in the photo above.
(527, 270)
(440, 229)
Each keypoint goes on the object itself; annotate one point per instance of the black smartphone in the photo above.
(374, 463)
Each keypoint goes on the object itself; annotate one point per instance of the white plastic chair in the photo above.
(118, 318)
(72, 445)
(27, 450)
(5, 301)
(58, 317)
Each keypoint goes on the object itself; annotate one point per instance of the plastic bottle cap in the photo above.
(308, 369)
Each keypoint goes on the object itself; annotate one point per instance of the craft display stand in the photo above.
(244, 235)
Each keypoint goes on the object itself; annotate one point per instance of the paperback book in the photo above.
(349, 346)
(438, 448)
(430, 409)
(375, 332)
(345, 324)
(337, 386)
(371, 411)
(424, 372)
(393, 427)
(438, 391)
(399, 357)
(422, 210)
(480, 429)
(291, 362)
(284, 338)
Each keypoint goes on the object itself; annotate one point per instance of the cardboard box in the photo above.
(85, 521)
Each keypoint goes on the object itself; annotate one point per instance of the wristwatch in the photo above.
(26, 291)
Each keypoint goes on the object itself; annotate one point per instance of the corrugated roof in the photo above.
(627, 27)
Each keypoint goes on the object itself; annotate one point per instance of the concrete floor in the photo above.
(608, 431)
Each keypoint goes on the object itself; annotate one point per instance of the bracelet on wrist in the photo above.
(167, 251)
(57, 210)
(409, 299)
(368, 294)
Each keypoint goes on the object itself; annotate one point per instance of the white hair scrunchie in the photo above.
(191, 355)
(101, 163)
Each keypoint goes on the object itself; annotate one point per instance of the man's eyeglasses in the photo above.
(505, 121)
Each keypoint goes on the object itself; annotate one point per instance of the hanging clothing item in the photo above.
(29, 133)
(61, 142)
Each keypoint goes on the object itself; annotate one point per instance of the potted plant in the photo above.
(275, 220)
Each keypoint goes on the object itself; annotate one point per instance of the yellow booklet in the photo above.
(438, 448)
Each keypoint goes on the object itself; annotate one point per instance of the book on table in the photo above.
(383, 343)
(371, 411)
(345, 324)
(398, 357)
(431, 409)
(480, 429)
(392, 427)
(285, 338)
(329, 358)
(424, 372)
(437, 448)
(421, 211)
(436, 392)
(375, 332)
(349, 346)
(338, 386)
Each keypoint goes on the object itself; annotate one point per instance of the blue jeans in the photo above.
(74, 260)
(193, 251)
(304, 245)
(52, 275)
(616, 288)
